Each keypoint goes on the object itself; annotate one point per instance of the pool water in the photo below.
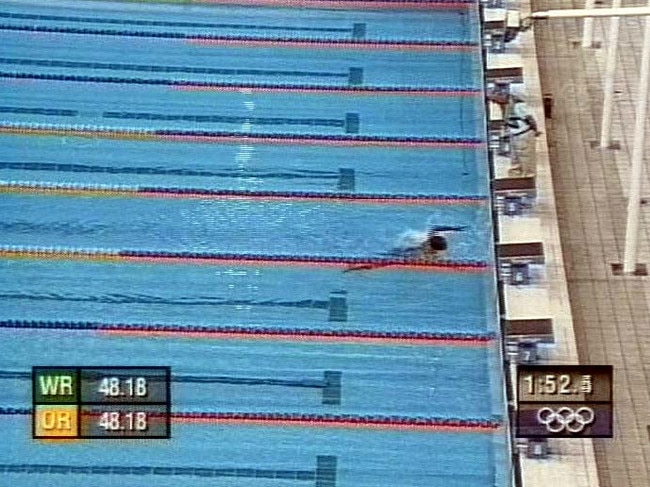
(290, 72)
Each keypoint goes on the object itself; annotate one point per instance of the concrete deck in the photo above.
(515, 229)
(610, 313)
(527, 302)
(572, 462)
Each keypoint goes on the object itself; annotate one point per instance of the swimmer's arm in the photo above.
(411, 253)
(365, 267)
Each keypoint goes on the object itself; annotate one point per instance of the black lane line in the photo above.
(68, 228)
(87, 168)
(162, 23)
(53, 63)
(215, 379)
(54, 112)
(314, 122)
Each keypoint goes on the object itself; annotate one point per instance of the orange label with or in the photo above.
(56, 421)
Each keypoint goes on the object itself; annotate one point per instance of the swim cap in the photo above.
(437, 242)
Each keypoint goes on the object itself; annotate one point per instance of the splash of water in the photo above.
(411, 239)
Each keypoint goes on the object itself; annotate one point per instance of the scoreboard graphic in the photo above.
(564, 401)
(101, 402)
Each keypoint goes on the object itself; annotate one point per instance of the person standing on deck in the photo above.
(522, 131)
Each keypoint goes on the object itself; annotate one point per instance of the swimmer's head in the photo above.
(437, 243)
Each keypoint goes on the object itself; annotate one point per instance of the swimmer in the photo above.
(427, 249)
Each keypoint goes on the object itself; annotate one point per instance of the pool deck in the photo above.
(571, 462)
(610, 313)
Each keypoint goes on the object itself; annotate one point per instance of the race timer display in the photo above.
(101, 402)
(564, 401)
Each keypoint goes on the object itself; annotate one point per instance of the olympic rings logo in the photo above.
(566, 419)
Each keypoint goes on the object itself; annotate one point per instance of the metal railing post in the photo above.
(636, 170)
(610, 72)
(588, 26)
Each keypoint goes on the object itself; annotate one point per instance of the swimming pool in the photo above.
(187, 185)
